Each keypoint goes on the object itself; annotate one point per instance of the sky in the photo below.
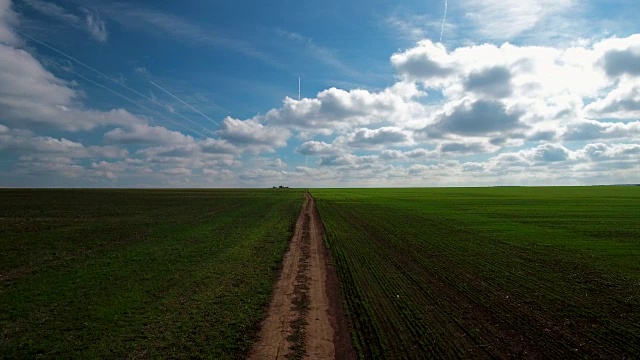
(413, 93)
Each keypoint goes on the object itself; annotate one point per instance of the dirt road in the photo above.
(305, 319)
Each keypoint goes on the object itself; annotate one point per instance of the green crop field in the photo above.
(138, 273)
(488, 272)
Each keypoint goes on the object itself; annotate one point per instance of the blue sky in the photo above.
(205, 94)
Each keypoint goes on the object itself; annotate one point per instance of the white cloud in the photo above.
(466, 147)
(530, 71)
(109, 151)
(316, 148)
(49, 169)
(600, 152)
(264, 175)
(374, 138)
(92, 22)
(481, 117)
(276, 163)
(217, 146)
(177, 171)
(219, 174)
(252, 135)
(30, 94)
(596, 130)
(8, 19)
(554, 161)
(409, 27)
(338, 110)
(494, 97)
(472, 115)
(505, 19)
(620, 56)
(147, 134)
(141, 70)
(24, 140)
(318, 52)
(427, 61)
(95, 25)
(54, 11)
(411, 155)
(494, 81)
(551, 90)
(109, 170)
(349, 161)
(621, 103)
(26, 144)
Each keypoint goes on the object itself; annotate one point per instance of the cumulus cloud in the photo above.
(336, 109)
(276, 163)
(109, 151)
(219, 175)
(495, 81)
(473, 115)
(596, 130)
(425, 61)
(109, 170)
(177, 171)
(147, 134)
(621, 103)
(529, 71)
(494, 96)
(264, 175)
(371, 138)
(253, 135)
(476, 118)
(467, 147)
(348, 160)
(546, 88)
(316, 148)
(550, 153)
(26, 143)
(218, 146)
(621, 62)
(567, 166)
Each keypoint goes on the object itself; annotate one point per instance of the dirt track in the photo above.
(305, 319)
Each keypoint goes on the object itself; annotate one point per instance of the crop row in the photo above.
(431, 273)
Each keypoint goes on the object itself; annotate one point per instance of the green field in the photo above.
(458, 272)
(488, 272)
(138, 273)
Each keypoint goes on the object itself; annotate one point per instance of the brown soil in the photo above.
(305, 319)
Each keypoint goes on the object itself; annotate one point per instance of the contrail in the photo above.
(83, 64)
(108, 77)
(144, 107)
(444, 18)
(191, 107)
